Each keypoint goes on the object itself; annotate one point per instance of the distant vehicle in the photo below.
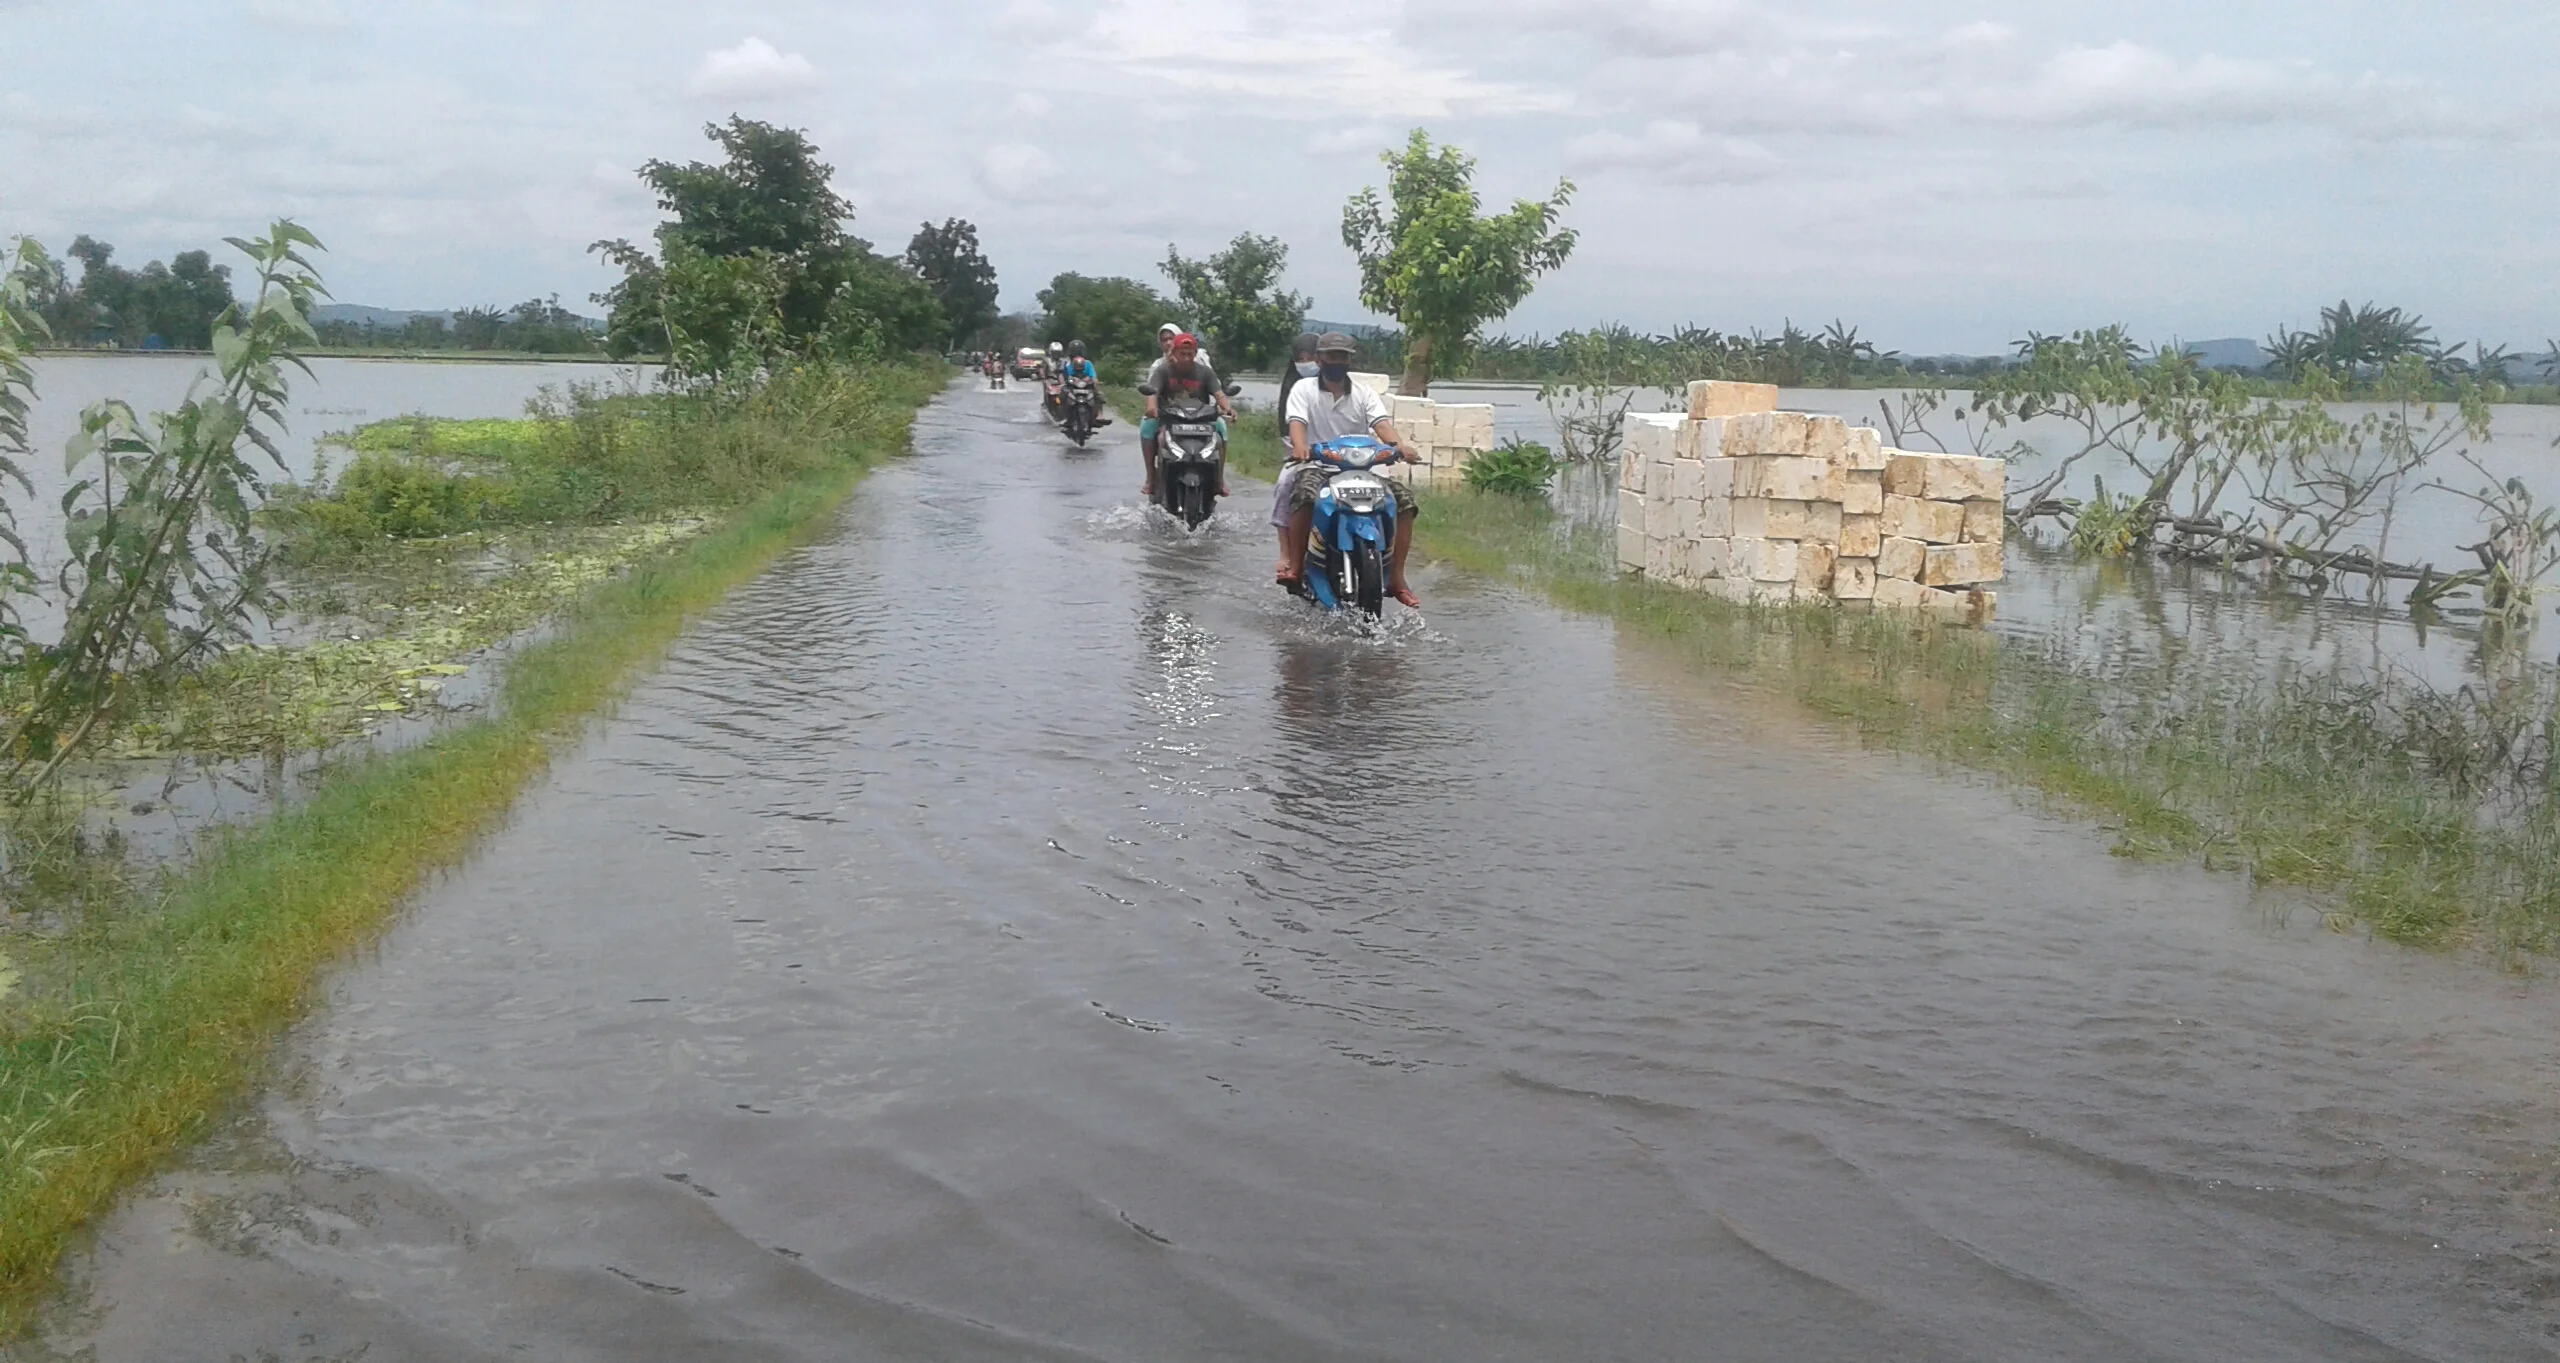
(1027, 362)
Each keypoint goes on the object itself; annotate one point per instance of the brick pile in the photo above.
(1754, 504)
(1446, 434)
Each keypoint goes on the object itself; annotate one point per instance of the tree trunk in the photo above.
(1417, 368)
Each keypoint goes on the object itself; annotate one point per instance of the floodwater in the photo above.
(1012, 930)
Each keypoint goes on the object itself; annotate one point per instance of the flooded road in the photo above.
(1012, 930)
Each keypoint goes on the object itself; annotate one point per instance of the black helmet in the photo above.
(1076, 348)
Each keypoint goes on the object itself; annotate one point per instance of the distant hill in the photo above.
(392, 318)
(2229, 353)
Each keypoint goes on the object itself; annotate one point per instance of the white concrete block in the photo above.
(1701, 439)
(1906, 474)
(1853, 579)
(1688, 480)
(1470, 424)
(1631, 510)
(1632, 463)
(1963, 477)
(1985, 521)
(1790, 477)
(1899, 593)
(1772, 560)
(1724, 397)
(1707, 557)
(1411, 414)
(1902, 558)
(1718, 474)
(1659, 557)
(1652, 435)
(1960, 565)
(1860, 536)
(1381, 384)
(1814, 564)
(1631, 544)
(1684, 519)
(1932, 522)
(1715, 517)
(1861, 493)
(1825, 438)
(1863, 450)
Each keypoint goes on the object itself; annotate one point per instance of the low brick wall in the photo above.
(1755, 504)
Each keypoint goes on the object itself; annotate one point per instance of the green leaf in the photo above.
(229, 348)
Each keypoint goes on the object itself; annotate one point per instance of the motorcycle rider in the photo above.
(1182, 375)
(1057, 358)
(1077, 366)
(1329, 409)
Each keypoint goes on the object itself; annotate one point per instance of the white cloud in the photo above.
(1306, 62)
(2132, 84)
(1016, 170)
(1677, 151)
(754, 67)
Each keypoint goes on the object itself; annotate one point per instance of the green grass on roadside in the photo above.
(163, 1013)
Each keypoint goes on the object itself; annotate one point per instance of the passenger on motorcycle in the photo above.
(1181, 376)
(1057, 360)
(1328, 409)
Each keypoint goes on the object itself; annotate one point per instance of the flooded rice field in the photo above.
(1011, 929)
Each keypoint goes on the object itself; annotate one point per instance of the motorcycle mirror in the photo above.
(1234, 388)
(1146, 390)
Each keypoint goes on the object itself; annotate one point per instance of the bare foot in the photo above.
(1405, 594)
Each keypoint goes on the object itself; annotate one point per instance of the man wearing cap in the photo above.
(1164, 340)
(1329, 409)
(1183, 375)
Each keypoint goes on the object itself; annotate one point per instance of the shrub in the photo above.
(1517, 468)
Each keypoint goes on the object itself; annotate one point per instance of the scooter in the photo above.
(1191, 458)
(1083, 410)
(1355, 526)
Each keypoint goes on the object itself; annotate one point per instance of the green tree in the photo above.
(769, 201)
(1224, 295)
(1436, 265)
(1114, 317)
(948, 260)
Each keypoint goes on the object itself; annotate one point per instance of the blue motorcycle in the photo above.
(1355, 526)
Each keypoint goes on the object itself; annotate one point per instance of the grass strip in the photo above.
(174, 1006)
(2305, 780)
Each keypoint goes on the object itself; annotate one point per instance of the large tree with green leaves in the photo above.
(176, 302)
(763, 227)
(1114, 317)
(947, 258)
(1225, 296)
(1440, 268)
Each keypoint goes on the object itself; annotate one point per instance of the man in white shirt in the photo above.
(1329, 409)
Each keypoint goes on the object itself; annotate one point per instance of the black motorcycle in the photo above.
(1191, 457)
(1081, 405)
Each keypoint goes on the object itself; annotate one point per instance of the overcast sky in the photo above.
(1946, 174)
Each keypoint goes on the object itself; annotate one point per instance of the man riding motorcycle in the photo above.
(1182, 376)
(1328, 409)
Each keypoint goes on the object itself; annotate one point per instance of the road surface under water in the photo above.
(1012, 930)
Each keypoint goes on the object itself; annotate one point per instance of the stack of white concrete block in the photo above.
(1755, 504)
(1446, 434)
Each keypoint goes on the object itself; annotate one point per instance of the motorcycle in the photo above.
(1355, 526)
(1191, 458)
(1053, 399)
(1083, 410)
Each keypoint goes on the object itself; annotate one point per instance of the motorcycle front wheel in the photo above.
(1367, 570)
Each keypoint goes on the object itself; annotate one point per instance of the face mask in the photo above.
(1307, 369)
(1335, 373)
